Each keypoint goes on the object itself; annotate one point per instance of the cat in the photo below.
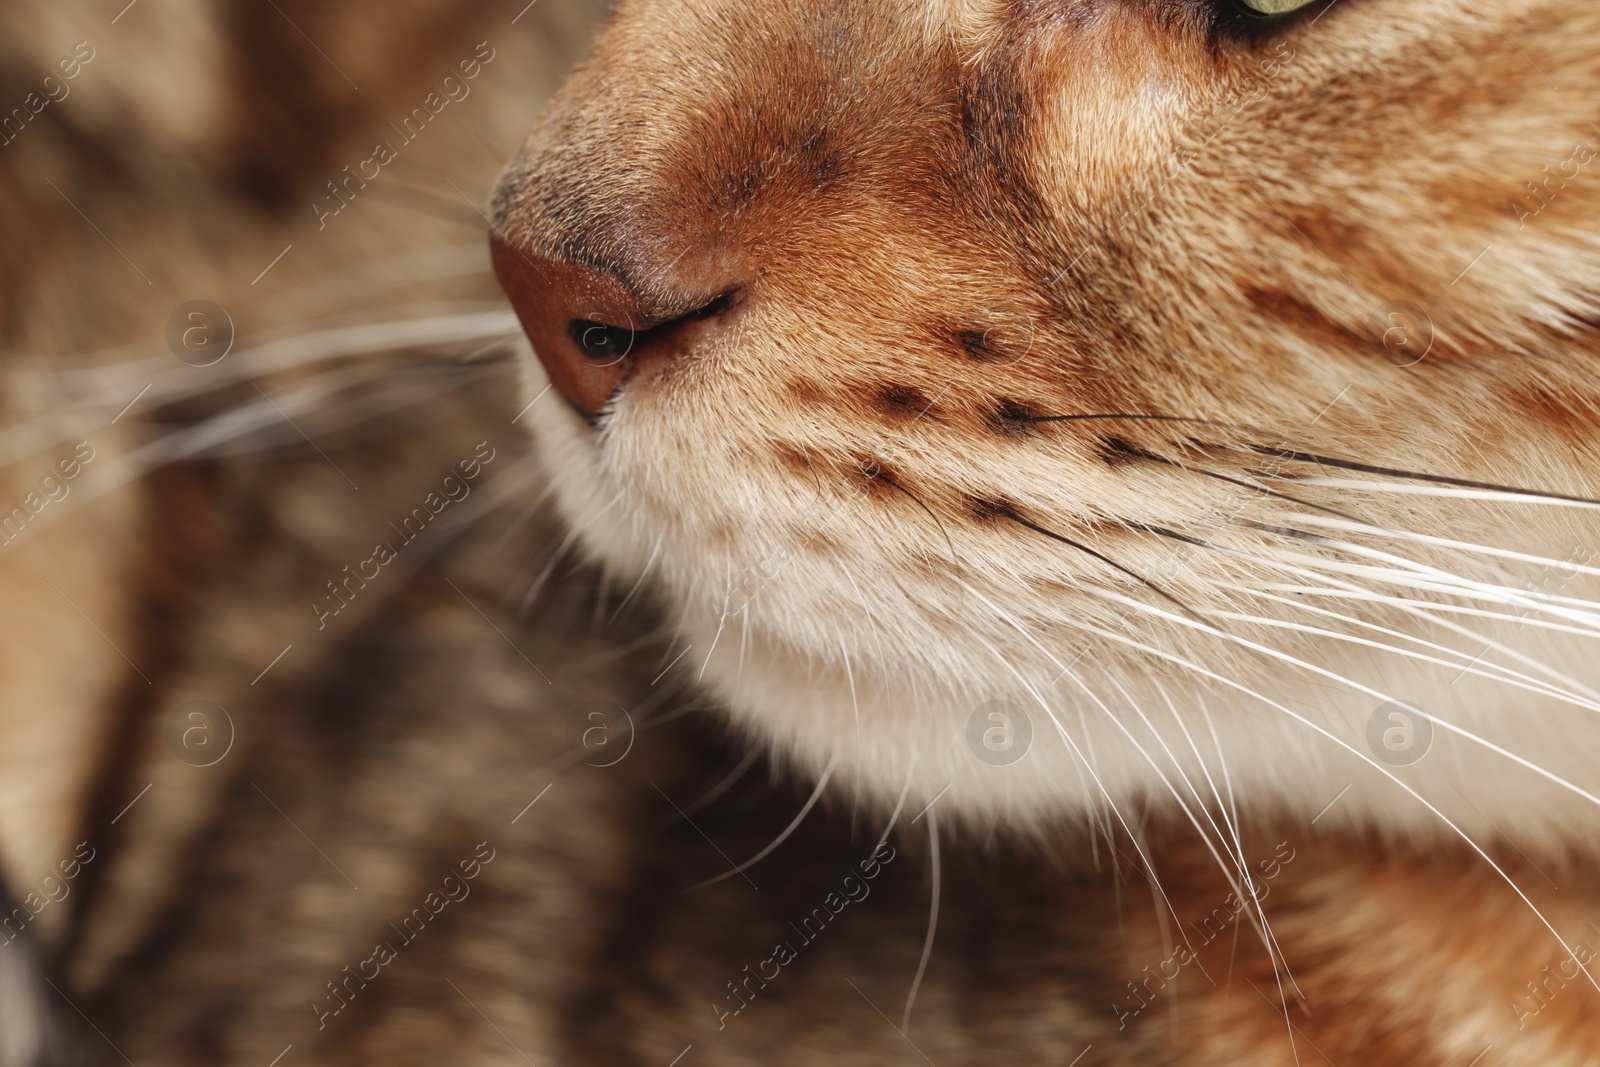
(1007, 520)
(1179, 394)
(1205, 449)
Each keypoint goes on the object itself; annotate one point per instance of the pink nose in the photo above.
(590, 332)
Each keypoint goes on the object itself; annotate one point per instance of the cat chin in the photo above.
(1114, 739)
(1127, 752)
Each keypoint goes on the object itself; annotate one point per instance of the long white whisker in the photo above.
(1222, 811)
(710, 796)
(872, 622)
(1335, 522)
(1420, 610)
(1001, 613)
(1241, 687)
(1509, 677)
(1104, 792)
(811, 802)
(1354, 593)
(1450, 587)
(1423, 489)
(849, 673)
(1242, 890)
(1246, 891)
(235, 424)
(109, 387)
(1222, 760)
(1177, 765)
(1358, 686)
(899, 805)
(649, 563)
(1255, 921)
(1449, 580)
(1233, 833)
(744, 644)
(1268, 593)
(1066, 670)
(722, 620)
(933, 919)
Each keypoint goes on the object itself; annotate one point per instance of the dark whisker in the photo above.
(1241, 483)
(891, 483)
(1162, 531)
(1438, 479)
(1127, 415)
(1281, 452)
(1108, 561)
(1283, 531)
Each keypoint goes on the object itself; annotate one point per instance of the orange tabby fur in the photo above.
(1047, 321)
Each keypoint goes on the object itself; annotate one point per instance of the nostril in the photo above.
(716, 306)
(601, 344)
(594, 331)
(605, 345)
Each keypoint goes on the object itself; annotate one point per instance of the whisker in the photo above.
(1515, 496)
(1233, 829)
(380, 275)
(849, 673)
(1242, 483)
(1353, 593)
(1222, 811)
(722, 620)
(1134, 416)
(710, 796)
(1419, 609)
(97, 392)
(1359, 687)
(1445, 542)
(1241, 687)
(1149, 865)
(1244, 891)
(1509, 678)
(644, 573)
(899, 806)
(213, 437)
(1466, 589)
(1222, 760)
(1436, 479)
(744, 643)
(872, 621)
(560, 553)
(811, 802)
(1508, 675)
(1066, 670)
(891, 483)
(1108, 561)
(933, 918)
(1177, 765)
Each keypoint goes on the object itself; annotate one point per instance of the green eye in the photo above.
(1277, 7)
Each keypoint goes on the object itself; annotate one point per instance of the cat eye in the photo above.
(1277, 7)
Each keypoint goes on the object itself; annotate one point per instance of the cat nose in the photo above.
(587, 328)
